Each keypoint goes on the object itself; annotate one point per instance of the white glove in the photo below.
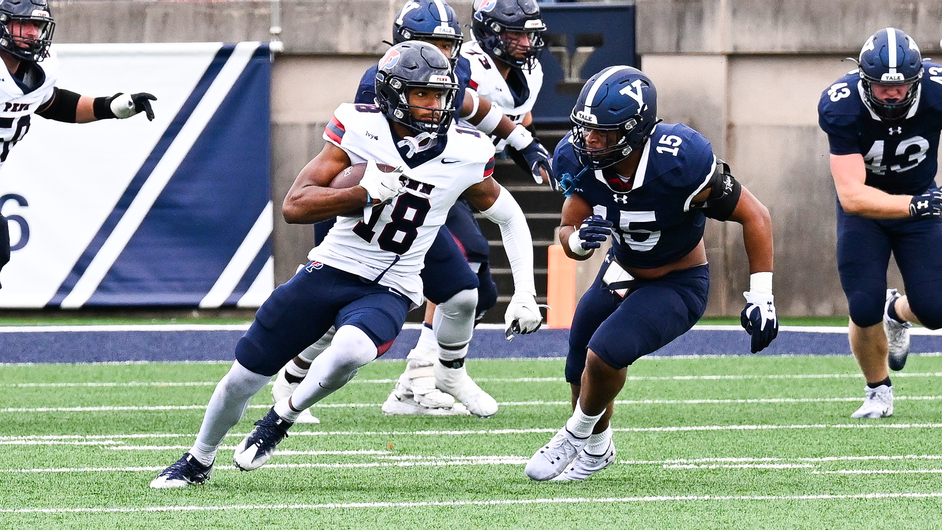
(127, 105)
(759, 320)
(379, 184)
(522, 316)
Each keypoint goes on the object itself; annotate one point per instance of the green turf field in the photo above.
(719, 442)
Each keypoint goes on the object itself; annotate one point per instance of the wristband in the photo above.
(760, 283)
(575, 244)
(491, 120)
(101, 108)
(519, 138)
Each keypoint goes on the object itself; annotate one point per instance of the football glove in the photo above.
(929, 204)
(537, 157)
(380, 185)
(522, 315)
(759, 320)
(593, 232)
(127, 105)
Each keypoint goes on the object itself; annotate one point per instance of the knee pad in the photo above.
(454, 319)
(352, 348)
(866, 308)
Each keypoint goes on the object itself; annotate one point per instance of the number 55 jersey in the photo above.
(901, 156)
(20, 99)
(387, 242)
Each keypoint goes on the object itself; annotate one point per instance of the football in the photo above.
(351, 176)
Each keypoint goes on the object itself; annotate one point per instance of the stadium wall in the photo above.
(747, 74)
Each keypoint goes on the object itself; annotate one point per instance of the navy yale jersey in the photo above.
(901, 156)
(654, 223)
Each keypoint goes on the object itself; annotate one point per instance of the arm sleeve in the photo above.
(518, 244)
(61, 106)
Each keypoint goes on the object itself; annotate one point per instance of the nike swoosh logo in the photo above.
(450, 161)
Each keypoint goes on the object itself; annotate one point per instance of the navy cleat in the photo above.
(184, 472)
(260, 444)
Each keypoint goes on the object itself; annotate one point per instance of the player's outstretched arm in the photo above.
(67, 106)
(498, 205)
(310, 200)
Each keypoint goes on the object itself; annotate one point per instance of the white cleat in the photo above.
(401, 402)
(455, 381)
(585, 465)
(554, 457)
(878, 403)
(282, 389)
(897, 334)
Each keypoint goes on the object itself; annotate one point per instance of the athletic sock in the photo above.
(880, 383)
(598, 443)
(581, 424)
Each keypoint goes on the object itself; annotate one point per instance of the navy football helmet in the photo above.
(428, 19)
(14, 40)
(620, 99)
(890, 57)
(494, 17)
(410, 65)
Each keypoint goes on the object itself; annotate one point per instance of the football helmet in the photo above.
(492, 18)
(890, 57)
(428, 19)
(17, 19)
(620, 99)
(410, 65)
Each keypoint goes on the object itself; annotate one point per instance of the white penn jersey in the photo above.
(389, 241)
(16, 107)
(487, 81)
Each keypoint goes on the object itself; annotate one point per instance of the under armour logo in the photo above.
(922, 205)
(621, 199)
(896, 130)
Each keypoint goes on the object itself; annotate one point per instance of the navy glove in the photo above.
(594, 231)
(759, 320)
(929, 204)
(537, 157)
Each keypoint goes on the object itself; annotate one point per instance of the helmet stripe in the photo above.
(442, 14)
(598, 83)
(891, 48)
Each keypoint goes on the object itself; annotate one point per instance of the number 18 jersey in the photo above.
(388, 242)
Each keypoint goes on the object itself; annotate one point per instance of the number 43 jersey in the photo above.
(901, 156)
(17, 106)
(653, 221)
(389, 241)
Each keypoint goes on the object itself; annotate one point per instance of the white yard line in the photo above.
(162, 408)
(494, 502)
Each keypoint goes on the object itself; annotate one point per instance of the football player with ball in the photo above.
(364, 277)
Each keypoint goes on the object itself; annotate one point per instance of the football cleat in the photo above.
(554, 457)
(585, 465)
(419, 380)
(459, 384)
(256, 449)
(401, 402)
(897, 334)
(878, 403)
(184, 472)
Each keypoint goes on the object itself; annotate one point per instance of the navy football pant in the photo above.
(863, 254)
(622, 330)
(300, 311)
